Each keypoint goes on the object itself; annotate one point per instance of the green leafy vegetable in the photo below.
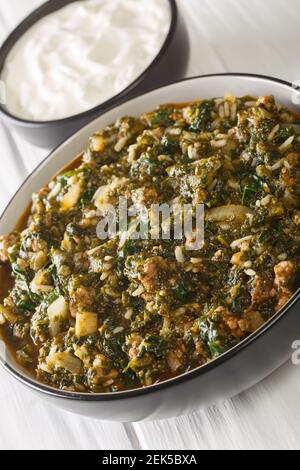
(161, 118)
(181, 291)
(203, 116)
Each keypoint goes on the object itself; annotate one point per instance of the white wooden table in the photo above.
(261, 36)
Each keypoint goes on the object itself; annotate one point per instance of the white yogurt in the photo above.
(82, 55)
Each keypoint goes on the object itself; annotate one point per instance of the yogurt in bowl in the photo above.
(82, 55)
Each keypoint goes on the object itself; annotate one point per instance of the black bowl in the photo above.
(48, 134)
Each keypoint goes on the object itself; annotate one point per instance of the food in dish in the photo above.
(81, 55)
(92, 316)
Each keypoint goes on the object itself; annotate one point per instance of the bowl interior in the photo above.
(187, 90)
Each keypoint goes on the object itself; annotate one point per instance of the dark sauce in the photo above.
(7, 283)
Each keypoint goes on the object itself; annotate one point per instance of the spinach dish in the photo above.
(96, 316)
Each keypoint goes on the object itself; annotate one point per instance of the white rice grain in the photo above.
(233, 184)
(55, 191)
(196, 260)
(240, 241)
(218, 143)
(286, 144)
(108, 383)
(226, 109)
(121, 144)
(221, 112)
(180, 311)
(179, 254)
(90, 214)
(245, 156)
(233, 111)
(215, 124)
(273, 132)
(128, 314)
(107, 266)
(174, 130)
(265, 201)
(213, 185)
(248, 264)
(249, 104)
(250, 272)
(117, 330)
(139, 291)
(104, 275)
(189, 268)
(287, 165)
(276, 166)
(93, 250)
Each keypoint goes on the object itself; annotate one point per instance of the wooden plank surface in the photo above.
(225, 35)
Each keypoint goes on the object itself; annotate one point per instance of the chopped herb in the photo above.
(203, 115)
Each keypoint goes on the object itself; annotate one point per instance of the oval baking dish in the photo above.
(234, 371)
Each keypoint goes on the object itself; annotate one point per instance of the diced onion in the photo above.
(103, 194)
(57, 312)
(86, 324)
(238, 243)
(70, 199)
(65, 360)
(98, 143)
(6, 314)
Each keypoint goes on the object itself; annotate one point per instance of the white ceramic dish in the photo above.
(236, 370)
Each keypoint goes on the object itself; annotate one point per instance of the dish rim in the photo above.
(186, 376)
(36, 15)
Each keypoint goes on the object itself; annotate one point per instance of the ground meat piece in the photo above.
(238, 258)
(229, 320)
(99, 373)
(232, 323)
(175, 358)
(284, 273)
(151, 270)
(262, 289)
(251, 321)
(293, 158)
(289, 178)
(7, 242)
(296, 218)
(134, 341)
(39, 245)
(83, 298)
(284, 296)
(144, 195)
(267, 102)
